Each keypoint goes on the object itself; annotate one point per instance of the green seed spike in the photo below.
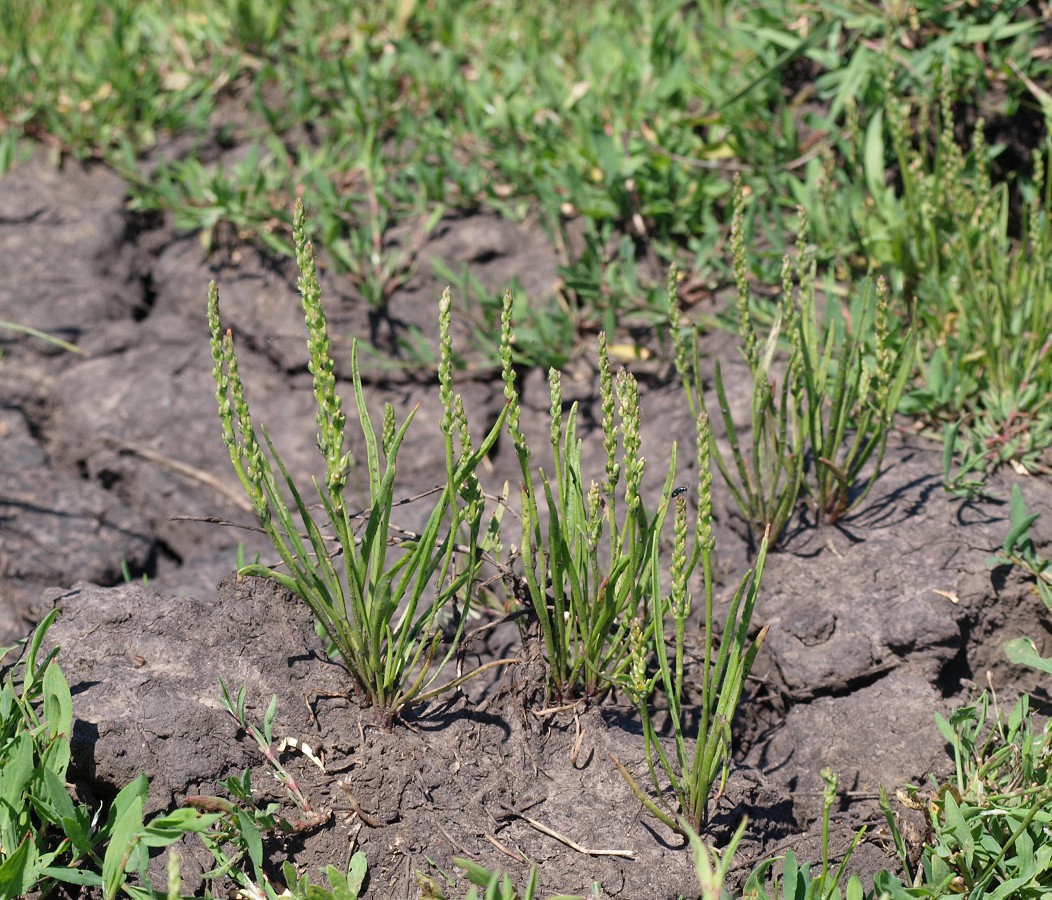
(460, 420)
(750, 347)
(556, 388)
(508, 375)
(245, 456)
(705, 537)
(249, 452)
(595, 508)
(628, 401)
(680, 604)
(388, 431)
(445, 361)
(639, 686)
(680, 349)
(329, 416)
(608, 402)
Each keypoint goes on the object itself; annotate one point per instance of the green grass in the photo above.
(625, 120)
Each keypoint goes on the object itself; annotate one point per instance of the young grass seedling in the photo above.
(797, 882)
(380, 615)
(265, 741)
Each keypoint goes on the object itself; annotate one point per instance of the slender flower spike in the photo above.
(750, 347)
(445, 361)
(680, 348)
(246, 456)
(639, 686)
(389, 429)
(885, 357)
(329, 417)
(219, 366)
(608, 403)
(793, 305)
(628, 399)
(705, 537)
(680, 604)
(508, 375)
(460, 420)
(595, 508)
(556, 384)
(248, 450)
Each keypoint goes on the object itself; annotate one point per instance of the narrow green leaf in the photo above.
(251, 837)
(17, 771)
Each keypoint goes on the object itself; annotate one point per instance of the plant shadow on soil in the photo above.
(877, 623)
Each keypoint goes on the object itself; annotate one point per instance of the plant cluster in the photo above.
(592, 570)
(587, 569)
(820, 418)
(381, 615)
(617, 127)
(969, 258)
(693, 772)
(591, 575)
(990, 824)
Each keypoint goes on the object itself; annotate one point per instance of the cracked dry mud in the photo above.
(115, 456)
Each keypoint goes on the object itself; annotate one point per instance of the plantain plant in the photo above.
(699, 761)
(379, 607)
(585, 566)
(819, 422)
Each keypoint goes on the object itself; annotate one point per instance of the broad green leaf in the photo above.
(268, 719)
(67, 875)
(56, 756)
(873, 160)
(58, 704)
(17, 770)
(1023, 651)
(31, 667)
(138, 787)
(19, 871)
(945, 729)
(127, 828)
(356, 872)
(957, 826)
(170, 827)
(790, 876)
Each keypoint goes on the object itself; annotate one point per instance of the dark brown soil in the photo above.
(877, 623)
